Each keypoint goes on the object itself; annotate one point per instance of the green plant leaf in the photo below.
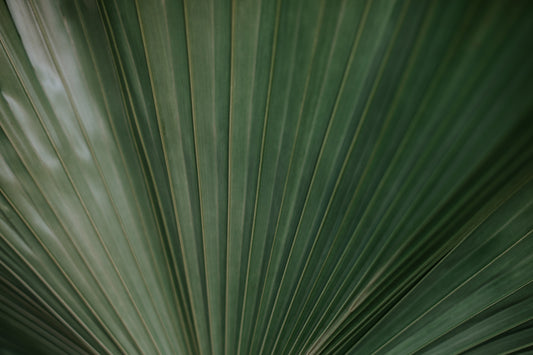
(266, 177)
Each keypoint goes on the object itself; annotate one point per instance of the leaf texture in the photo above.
(266, 177)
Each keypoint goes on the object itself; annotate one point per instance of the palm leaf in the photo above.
(250, 176)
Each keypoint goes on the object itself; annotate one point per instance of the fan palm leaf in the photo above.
(266, 177)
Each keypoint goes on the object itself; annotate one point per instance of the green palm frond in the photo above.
(266, 177)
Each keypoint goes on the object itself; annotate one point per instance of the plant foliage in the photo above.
(266, 176)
